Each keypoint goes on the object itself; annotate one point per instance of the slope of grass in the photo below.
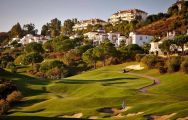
(96, 89)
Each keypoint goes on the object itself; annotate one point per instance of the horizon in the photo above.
(38, 12)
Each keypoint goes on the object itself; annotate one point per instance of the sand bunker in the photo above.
(133, 114)
(164, 117)
(93, 117)
(135, 67)
(77, 115)
(185, 118)
(128, 115)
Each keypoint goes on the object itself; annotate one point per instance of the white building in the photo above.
(121, 38)
(155, 48)
(30, 38)
(138, 38)
(155, 44)
(100, 35)
(127, 15)
(81, 25)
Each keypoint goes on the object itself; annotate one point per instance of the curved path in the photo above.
(144, 89)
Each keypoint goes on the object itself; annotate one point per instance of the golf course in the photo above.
(99, 94)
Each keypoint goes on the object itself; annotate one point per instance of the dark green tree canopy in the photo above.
(16, 31)
(33, 58)
(67, 27)
(34, 47)
(30, 29)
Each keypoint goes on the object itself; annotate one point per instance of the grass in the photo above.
(96, 89)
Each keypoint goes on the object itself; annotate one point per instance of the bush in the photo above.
(15, 96)
(12, 67)
(51, 64)
(32, 58)
(54, 73)
(4, 106)
(19, 59)
(36, 67)
(174, 64)
(150, 61)
(138, 57)
(162, 70)
(184, 66)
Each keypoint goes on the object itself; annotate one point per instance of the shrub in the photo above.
(15, 96)
(138, 57)
(51, 64)
(4, 106)
(3, 64)
(174, 64)
(32, 58)
(162, 70)
(150, 61)
(36, 67)
(54, 73)
(12, 67)
(184, 66)
(19, 59)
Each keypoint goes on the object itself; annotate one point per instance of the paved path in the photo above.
(144, 89)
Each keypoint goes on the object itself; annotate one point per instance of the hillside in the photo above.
(88, 95)
(161, 27)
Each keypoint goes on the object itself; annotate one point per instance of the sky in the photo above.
(40, 12)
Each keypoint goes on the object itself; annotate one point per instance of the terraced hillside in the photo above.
(100, 93)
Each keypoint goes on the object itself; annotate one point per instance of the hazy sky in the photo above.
(40, 12)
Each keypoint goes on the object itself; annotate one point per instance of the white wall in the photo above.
(140, 39)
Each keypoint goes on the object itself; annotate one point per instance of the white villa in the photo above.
(155, 45)
(100, 35)
(81, 25)
(116, 38)
(30, 38)
(128, 15)
(138, 38)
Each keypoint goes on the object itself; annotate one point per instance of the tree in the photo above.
(71, 57)
(83, 48)
(165, 46)
(32, 58)
(55, 27)
(90, 56)
(48, 46)
(30, 29)
(67, 27)
(181, 41)
(16, 31)
(130, 51)
(34, 47)
(105, 50)
(45, 30)
(146, 47)
(63, 45)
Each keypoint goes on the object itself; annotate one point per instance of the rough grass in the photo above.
(95, 89)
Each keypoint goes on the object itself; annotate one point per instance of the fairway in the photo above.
(90, 92)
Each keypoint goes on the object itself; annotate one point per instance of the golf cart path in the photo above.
(144, 89)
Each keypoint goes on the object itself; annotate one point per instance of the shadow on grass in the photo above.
(28, 102)
(113, 83)
(23, 81)
(35, 118)
(69, 81)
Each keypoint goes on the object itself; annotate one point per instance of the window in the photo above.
(141, 38)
